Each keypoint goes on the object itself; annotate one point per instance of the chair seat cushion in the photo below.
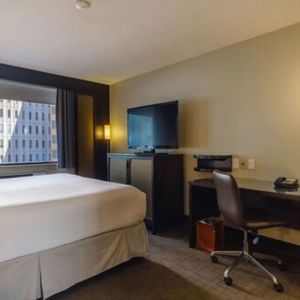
(260, 219)
(267, 222)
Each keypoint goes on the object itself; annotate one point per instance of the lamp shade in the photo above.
(107, 132)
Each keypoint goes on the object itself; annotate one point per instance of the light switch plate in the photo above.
(235, 163)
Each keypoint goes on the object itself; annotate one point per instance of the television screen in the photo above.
(153, 126)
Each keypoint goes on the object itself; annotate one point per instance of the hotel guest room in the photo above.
(149, 149)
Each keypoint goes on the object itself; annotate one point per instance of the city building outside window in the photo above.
(19, 121)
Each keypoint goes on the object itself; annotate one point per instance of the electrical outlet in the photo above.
(251, 163)
(235, 163)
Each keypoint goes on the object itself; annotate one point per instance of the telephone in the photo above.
(286, 183)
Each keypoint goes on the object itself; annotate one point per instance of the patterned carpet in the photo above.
(172, 251)
(138, 279)
(174, 271)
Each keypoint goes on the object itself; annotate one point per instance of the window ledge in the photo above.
(23, 169)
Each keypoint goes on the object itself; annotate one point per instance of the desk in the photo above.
(256, 194)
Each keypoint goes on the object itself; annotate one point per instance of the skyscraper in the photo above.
(27, 132)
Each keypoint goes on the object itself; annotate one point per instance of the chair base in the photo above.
(251, 257)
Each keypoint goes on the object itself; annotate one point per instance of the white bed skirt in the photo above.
(57, 269)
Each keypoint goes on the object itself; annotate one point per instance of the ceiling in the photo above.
(118, 39)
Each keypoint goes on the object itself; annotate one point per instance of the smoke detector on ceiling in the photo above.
(82, 4)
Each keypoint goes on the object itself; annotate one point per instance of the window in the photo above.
(27, 135)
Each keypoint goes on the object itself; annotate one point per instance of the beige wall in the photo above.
(242, 100)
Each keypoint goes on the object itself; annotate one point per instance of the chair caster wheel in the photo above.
(278, 288)
(214, 259)
(228, 280)
(281, 265)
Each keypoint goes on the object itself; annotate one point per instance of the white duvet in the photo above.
(43, 212)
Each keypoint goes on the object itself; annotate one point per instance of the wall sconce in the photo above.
(107, 133)
(107, 136)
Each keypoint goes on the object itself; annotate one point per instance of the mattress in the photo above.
(43, 212)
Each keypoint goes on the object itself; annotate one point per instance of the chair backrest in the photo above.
(229, 199)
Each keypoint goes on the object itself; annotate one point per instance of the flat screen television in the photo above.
(153, 126)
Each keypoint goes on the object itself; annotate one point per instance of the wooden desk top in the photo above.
(266, 188)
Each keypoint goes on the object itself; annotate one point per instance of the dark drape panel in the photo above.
(65, 119)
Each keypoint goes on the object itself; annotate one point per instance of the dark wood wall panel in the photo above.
(41, 78)
(101, 117)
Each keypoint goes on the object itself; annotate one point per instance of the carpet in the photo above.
(136, 279)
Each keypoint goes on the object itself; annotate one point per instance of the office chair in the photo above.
(231, 208)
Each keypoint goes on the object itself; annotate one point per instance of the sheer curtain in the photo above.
(65, 118)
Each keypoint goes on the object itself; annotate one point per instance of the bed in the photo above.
(57, 230)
